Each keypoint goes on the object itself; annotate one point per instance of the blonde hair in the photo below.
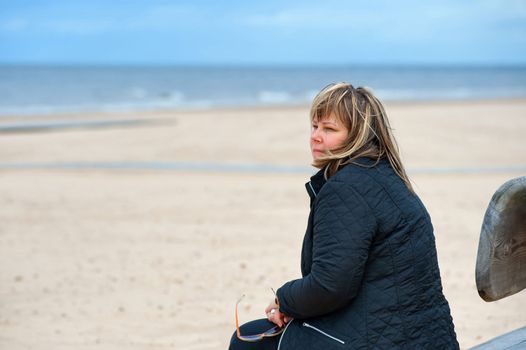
(370, 134)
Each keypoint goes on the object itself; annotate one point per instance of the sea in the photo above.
(43, 90)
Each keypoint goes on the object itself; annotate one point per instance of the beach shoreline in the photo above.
(125, 114)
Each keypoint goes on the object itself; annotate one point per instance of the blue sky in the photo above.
(263, 32)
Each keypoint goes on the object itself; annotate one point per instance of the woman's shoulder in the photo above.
(369, 178)
(352, 178)
(362, 171)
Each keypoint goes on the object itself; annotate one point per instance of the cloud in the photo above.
(79, 26)
(166, 17)
(13, 25)
(313, 17)
(507, 9)
(96, 20)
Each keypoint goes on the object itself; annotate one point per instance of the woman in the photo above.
(369, 264)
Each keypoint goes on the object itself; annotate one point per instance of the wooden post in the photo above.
(501, 258)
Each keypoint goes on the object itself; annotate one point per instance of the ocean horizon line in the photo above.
(424, 65)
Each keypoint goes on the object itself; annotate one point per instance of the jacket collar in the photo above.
(318, 180)
(315, 184)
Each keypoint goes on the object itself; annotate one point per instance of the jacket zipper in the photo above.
(305, 324)
(312, 189)
(281, 336)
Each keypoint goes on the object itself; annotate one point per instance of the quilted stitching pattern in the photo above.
(369, 265)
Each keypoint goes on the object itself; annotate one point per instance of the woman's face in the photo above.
(327, 134)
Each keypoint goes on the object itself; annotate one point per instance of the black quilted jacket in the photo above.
(369, 266)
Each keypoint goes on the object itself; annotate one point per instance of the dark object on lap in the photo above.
(255, 327)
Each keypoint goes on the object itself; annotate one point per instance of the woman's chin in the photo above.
(315, 162)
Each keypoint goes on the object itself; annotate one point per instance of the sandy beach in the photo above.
(144, 235)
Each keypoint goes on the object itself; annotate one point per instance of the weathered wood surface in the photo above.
(513, 340)
(501, 259)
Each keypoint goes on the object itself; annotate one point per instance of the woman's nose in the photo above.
(315, 135)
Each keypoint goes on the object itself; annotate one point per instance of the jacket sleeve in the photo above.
(343, 229)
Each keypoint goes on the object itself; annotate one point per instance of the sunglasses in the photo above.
(272, 332)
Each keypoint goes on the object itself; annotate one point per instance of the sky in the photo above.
(272, 32)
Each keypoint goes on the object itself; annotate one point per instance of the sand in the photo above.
(153, 258)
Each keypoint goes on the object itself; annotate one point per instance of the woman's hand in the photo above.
(274, 316)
